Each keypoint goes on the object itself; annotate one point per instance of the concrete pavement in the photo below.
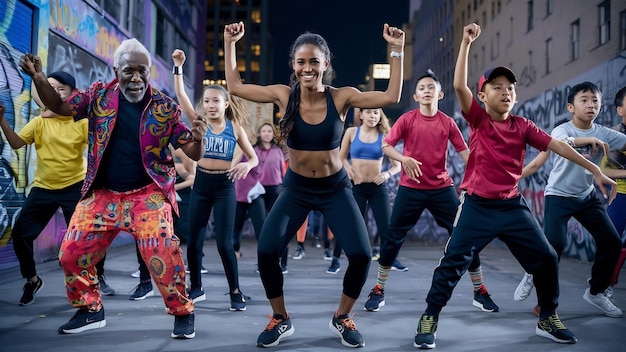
(311, 296)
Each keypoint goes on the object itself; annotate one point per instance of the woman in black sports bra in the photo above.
(312, 124)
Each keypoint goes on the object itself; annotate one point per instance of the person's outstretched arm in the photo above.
(179, 58)
(463, 92)
(377, 99)
(535, 164)
(13, 138)
(603, 181)
(277, 94)
(31, 65)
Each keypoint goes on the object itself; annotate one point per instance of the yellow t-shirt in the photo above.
(621, 182)
(60, 144)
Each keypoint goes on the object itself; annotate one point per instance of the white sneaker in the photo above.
(524, 288)
(602, 302)
(136, 274)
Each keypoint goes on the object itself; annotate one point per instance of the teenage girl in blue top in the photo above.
(213, 187)
(312, 123)
(364, 146)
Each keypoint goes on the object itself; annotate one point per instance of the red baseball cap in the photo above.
(492, 73)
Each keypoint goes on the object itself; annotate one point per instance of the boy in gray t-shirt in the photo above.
(570, 192)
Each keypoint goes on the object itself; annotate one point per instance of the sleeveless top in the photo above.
(367, 151)
(326, 135)
(220, 146)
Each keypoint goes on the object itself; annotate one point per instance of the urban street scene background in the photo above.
(550, 44)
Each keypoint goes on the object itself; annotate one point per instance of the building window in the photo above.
(484, 24)
(493, 9)
(255, 16)
(530, 15)
(511, 31)
(622, 30)
(497, 44)
(549, 7)
(604, 21)
(548, 54)
(255, 49)
(575, 28)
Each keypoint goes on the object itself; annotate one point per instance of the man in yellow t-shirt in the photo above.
(60, 145)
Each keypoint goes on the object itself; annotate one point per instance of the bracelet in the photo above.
(395, 54)
(177, 70)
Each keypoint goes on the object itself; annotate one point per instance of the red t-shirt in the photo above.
(497, 151)
(426, 140)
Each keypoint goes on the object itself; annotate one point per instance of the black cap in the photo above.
(64, 78)
(431, 74)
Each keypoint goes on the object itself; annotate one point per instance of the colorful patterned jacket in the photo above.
(160, 125)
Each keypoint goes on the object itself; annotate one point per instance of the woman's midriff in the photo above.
(314, 164)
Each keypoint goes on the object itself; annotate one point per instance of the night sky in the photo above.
(352, 28)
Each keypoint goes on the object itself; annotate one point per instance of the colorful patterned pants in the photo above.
(144, 213)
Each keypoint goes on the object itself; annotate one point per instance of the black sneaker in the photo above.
(197, 294)
(483, 301)
(283, 268)
(84, 320)
(426, 332)
(105, 289)
(278, 328)
(30, 289)
(334, 267)
(299, 253)
(346, 329)
(328, 255)
(553, 329)
(397, 266)
(142, 291)
(376, 299)
(184, 327)
(237, 302)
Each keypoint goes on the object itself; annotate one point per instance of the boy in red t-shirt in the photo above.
(426, 132)
(498, 142)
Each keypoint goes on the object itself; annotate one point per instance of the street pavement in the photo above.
(312, 297)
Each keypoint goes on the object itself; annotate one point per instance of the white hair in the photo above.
(130, 46)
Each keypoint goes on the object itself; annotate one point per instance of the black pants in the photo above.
(591, 213)
(212, 192)
(409, 205)
(255, 211)
(375, 197)
(332, 196)
(479, 221)
(37, 210)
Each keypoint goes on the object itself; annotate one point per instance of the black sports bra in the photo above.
(323, 136)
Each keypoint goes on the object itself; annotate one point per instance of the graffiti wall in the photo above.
(16, 23)
(71, 36)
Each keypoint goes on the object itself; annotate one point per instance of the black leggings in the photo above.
(376, 197)
(333, 197)
(212, 192)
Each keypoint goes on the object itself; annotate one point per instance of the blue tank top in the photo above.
(367, 151)
(220, 146)
(323, 136)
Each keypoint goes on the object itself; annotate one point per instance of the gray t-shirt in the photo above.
(568, 179)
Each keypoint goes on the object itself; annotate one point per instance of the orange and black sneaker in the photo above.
(344, 326)
(278, 328)
(376, 299)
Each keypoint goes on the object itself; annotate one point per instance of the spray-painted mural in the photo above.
(15, 34)
(71, 36)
